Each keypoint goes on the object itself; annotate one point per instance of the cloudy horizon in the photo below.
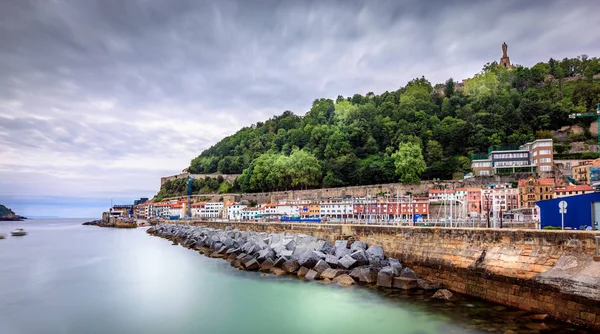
(102, 98)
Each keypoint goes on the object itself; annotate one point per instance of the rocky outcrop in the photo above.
(111, 223)
(345, 263)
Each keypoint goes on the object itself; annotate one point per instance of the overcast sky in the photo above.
(98, 99)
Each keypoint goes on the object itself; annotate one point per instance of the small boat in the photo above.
(19, 232)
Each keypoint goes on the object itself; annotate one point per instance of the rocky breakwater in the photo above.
(346, 262)
(111, 223)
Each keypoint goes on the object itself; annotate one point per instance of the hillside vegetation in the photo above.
(4, 211)
(418, 131)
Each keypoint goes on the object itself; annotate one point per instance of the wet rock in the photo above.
(538, 317)
(267, 265)
(384, 280)
(327, 248)
(409, 273)
(442, 294)
(231, 257)
(428, 285)
(290, 266)
(360, 257)
(321, 266)
(279, 262)
(277, 271)
(332, 273)
(251, 265)
(344, 280)
(309, 259)
(358, 245)
(331, 260)
(405, 283)
(346, 262)
(265, 254)
(241, 256)
(375, 254)
(236, 263)
(364, 274)
(312, 275)
(302, 271)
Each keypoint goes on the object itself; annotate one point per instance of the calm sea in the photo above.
(67, 278)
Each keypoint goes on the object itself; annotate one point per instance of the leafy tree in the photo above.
(409, 162)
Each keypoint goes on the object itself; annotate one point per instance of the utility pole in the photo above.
(596, 114)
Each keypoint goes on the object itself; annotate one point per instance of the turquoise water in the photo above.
(67, 278)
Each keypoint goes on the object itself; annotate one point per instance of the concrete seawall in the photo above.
(549, 272)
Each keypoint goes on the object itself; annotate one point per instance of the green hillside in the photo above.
(417, 132)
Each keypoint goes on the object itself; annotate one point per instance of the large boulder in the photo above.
(344, 280)
(442, 294)
(375, 255)
(346, 262)
(364, 274)
(266, 265)
(395, 263)
(279, 262)
(312, 275)
(327, 248)
(309, 259)
(290, 266)
(265, 254)
(331, 260)
(358, 245)
(251, 265)
(426, 284)
(332, 273)
(384, 280)
(321, 266)
(408, 273)
(302, 271)
(405, 283)
(360, 257)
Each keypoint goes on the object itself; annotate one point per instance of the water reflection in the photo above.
(67, 278)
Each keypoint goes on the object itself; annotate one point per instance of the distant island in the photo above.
(8, 214)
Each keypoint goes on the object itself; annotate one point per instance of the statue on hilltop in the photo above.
(505, 60)
(504, 49)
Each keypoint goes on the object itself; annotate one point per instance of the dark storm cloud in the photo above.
(123, 86)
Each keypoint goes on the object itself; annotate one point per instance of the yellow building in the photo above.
(581, 172)
(533, 189)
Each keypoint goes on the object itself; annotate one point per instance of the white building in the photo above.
(280, 210)
(234, 211)
(336, 209)
(160, 210)
(176, 210)
(250, 213)
(438, 196)
(212, 210)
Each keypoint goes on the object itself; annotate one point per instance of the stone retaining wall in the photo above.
(549, 272)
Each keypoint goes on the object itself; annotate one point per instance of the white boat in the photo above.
(19, 232)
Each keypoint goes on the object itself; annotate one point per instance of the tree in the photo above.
(409, 162)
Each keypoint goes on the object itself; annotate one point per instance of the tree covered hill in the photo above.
(417, 131)
(4, 211)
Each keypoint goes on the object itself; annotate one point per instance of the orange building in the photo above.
(532, 190)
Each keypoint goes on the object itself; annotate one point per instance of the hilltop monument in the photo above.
(505, 60)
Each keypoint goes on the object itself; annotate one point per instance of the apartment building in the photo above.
(533, 189)
(499, 199)
(336, 208)
(471, 197)
(212, 210)
(234, 211)
(250, 213)
(582, 171)
(536, 156)
(441, 195)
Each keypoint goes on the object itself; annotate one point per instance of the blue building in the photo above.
(581, 211)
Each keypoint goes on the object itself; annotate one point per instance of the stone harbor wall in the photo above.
(344, 262)
(550, 272)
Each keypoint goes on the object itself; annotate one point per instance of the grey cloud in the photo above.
(117, 84)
